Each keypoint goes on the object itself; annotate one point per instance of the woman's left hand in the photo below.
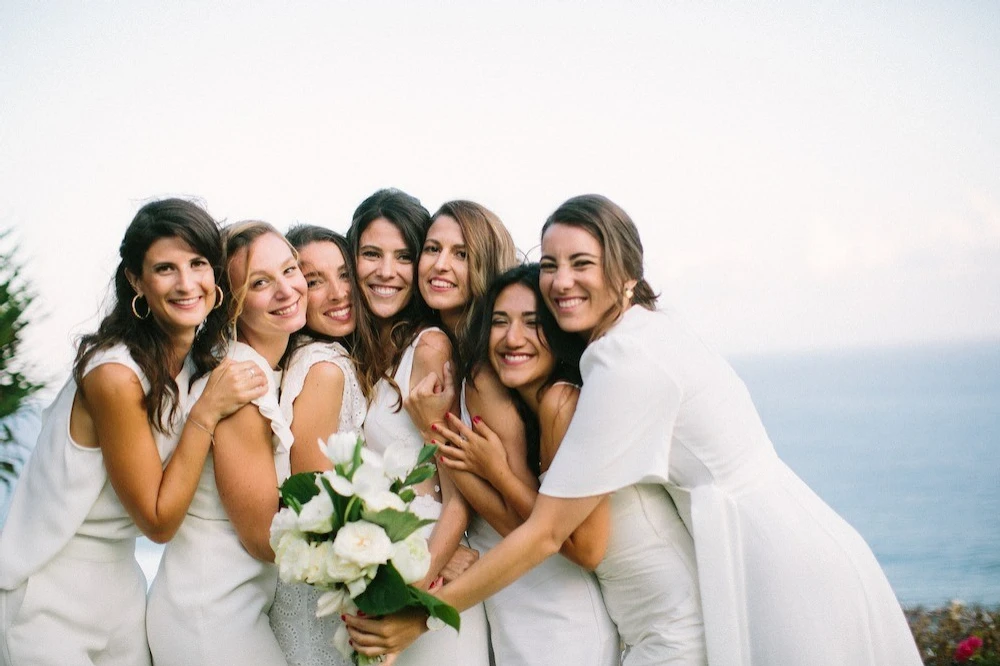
(384, 635)
(477, 451)
(429, 399)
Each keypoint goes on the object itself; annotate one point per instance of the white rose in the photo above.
(283, 522)
(340, 641)
(411, 558)
(425, 507)
(399, 459)
(317, 514)
(339, 447)
(384, 499)
(340, 570)
(316, 572)
(363, 543)
(335, 602)
(293, 560)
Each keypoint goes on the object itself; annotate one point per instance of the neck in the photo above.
(530, 394)
(272, 348)
(180, 347)
(452, 319)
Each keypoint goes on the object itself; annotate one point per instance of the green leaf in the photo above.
(407, 495)
(338, 505)
(356, 462)
(386, 593)
(427, 454)
(298, 489)
(436, 608)
(397, 524)
(418, 474)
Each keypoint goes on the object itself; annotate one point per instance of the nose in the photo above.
(562, 279)
(339, 290)
(515, 335)
(443, 261)
(386, 267)
(185, 279)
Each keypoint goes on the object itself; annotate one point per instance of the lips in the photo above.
(186, 303)
(511, 358)
(384, 290)
(440, 284)
(342, 313)
(287, 311)
(568, 303)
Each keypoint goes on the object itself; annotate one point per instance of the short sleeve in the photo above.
(267, 403)
(620, 434)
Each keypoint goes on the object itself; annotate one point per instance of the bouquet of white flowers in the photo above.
(350, 531)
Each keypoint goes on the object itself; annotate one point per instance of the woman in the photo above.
(71, 590)
(216, 582)
(320, 394)
(554, 615)
(783, 579)
(395, 349)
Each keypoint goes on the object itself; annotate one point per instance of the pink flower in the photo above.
(967, 648)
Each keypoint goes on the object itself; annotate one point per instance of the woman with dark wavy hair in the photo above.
(121, 450)
(397, 346)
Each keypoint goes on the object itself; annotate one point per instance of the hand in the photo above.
(430, 399)
(478, 451)
(230, 386)
(389, 634)
(462, 559)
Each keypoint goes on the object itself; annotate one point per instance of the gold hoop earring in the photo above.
(628, 293)
(218, 299)
(135, 310)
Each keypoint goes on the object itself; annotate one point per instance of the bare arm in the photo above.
(315, 416)
(247, 481)
(109, 413)
(539, 537)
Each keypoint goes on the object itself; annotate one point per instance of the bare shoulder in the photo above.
(112, 381)
(325, 372)
(485, 396)
(433, 345)
(558, 403)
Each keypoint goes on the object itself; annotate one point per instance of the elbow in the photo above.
(160, 536)
(589, 558)
(259, 551)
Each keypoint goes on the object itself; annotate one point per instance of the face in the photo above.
(443, 269)
(275, 303)
(329, 300)
(177, 283)
(572, 279)
(385, 269)
(518, 351)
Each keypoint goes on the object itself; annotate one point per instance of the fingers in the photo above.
(429, 385)
(450, 435)
(449, 379)
(456, 423)
(480, 427)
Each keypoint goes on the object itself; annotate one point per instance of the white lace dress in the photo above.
(209, 601)
(384, 425)
(306, 639)
(71, 591)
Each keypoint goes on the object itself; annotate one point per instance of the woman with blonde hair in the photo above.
(209, 603)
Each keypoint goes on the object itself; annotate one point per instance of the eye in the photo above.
(258, 283)
(313, 281)
(582, 263)
(547, 266)
(162, 269)
(404, 257)
(370, 254)
(199, 262)
(292, 270)
(462, 254)
(431, 248)
(498, 321)
(531, 322)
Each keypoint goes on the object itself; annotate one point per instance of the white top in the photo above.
(353, 406)
(774, 562)
(64, 488)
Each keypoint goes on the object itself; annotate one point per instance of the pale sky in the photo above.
(803, 175)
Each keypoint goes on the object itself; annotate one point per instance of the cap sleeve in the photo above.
(267, 403)
(620, 434)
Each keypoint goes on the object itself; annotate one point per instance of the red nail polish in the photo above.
(434, 427)
(476, 419)
(361, 613)
(434, 441)
(450, 415)
(343, 618)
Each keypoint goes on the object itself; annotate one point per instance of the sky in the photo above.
(803, 175)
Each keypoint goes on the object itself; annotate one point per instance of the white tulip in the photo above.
(339, 447)
(340, 641)
(399, 460)
(384, 499)
(335, 602)
(317, 514)
(411, 558)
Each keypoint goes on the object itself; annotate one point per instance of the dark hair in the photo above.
(491, 251)
(620, 245)
(302, 235)
(567, 348)
(148, 344)
(377, 354)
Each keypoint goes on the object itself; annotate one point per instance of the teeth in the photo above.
(516, 358)
(567, 303)
(287, 311)
(340, 313)
(186, 301)
(441, 284)
(383, 290)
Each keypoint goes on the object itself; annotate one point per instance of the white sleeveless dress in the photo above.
(384, 426)
(305, 639)
(209, 601)
(554, 615)
(783, 579)
(71, 591)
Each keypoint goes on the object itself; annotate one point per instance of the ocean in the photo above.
(903, 443)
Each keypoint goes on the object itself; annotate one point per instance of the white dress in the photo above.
(209, 601)
(783, 579)
(71, 591)
(384, 425)
(553, 615)
(306, 639)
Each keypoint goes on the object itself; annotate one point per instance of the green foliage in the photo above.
(938, 632)
(387, 593)
(397, 524)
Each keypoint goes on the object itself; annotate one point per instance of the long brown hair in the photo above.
(491, 251)
(621, 250)
(148, 344)
(378, 353)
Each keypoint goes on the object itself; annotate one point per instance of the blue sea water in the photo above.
(904, 444)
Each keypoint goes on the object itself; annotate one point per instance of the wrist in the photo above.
(203, 419)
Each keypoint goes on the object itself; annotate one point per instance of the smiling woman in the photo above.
(98, 475)
(216, 582)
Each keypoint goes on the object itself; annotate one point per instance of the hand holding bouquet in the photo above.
(350, 531)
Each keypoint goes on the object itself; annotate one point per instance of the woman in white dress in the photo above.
(555, 615)
(783, 579)
(116, 456)
(396, 347)
(216, 582)
(320, 395)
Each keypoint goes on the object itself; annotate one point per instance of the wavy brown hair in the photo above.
(378, 350)
(621, 250)
(148, 344)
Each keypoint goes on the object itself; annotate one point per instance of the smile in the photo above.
(568, 303)
(339, 314)
(286, 311)
(511, 358)
(384, 290)
(185, 303)
(440, 284)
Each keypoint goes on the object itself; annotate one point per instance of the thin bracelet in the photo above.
(211, 435)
